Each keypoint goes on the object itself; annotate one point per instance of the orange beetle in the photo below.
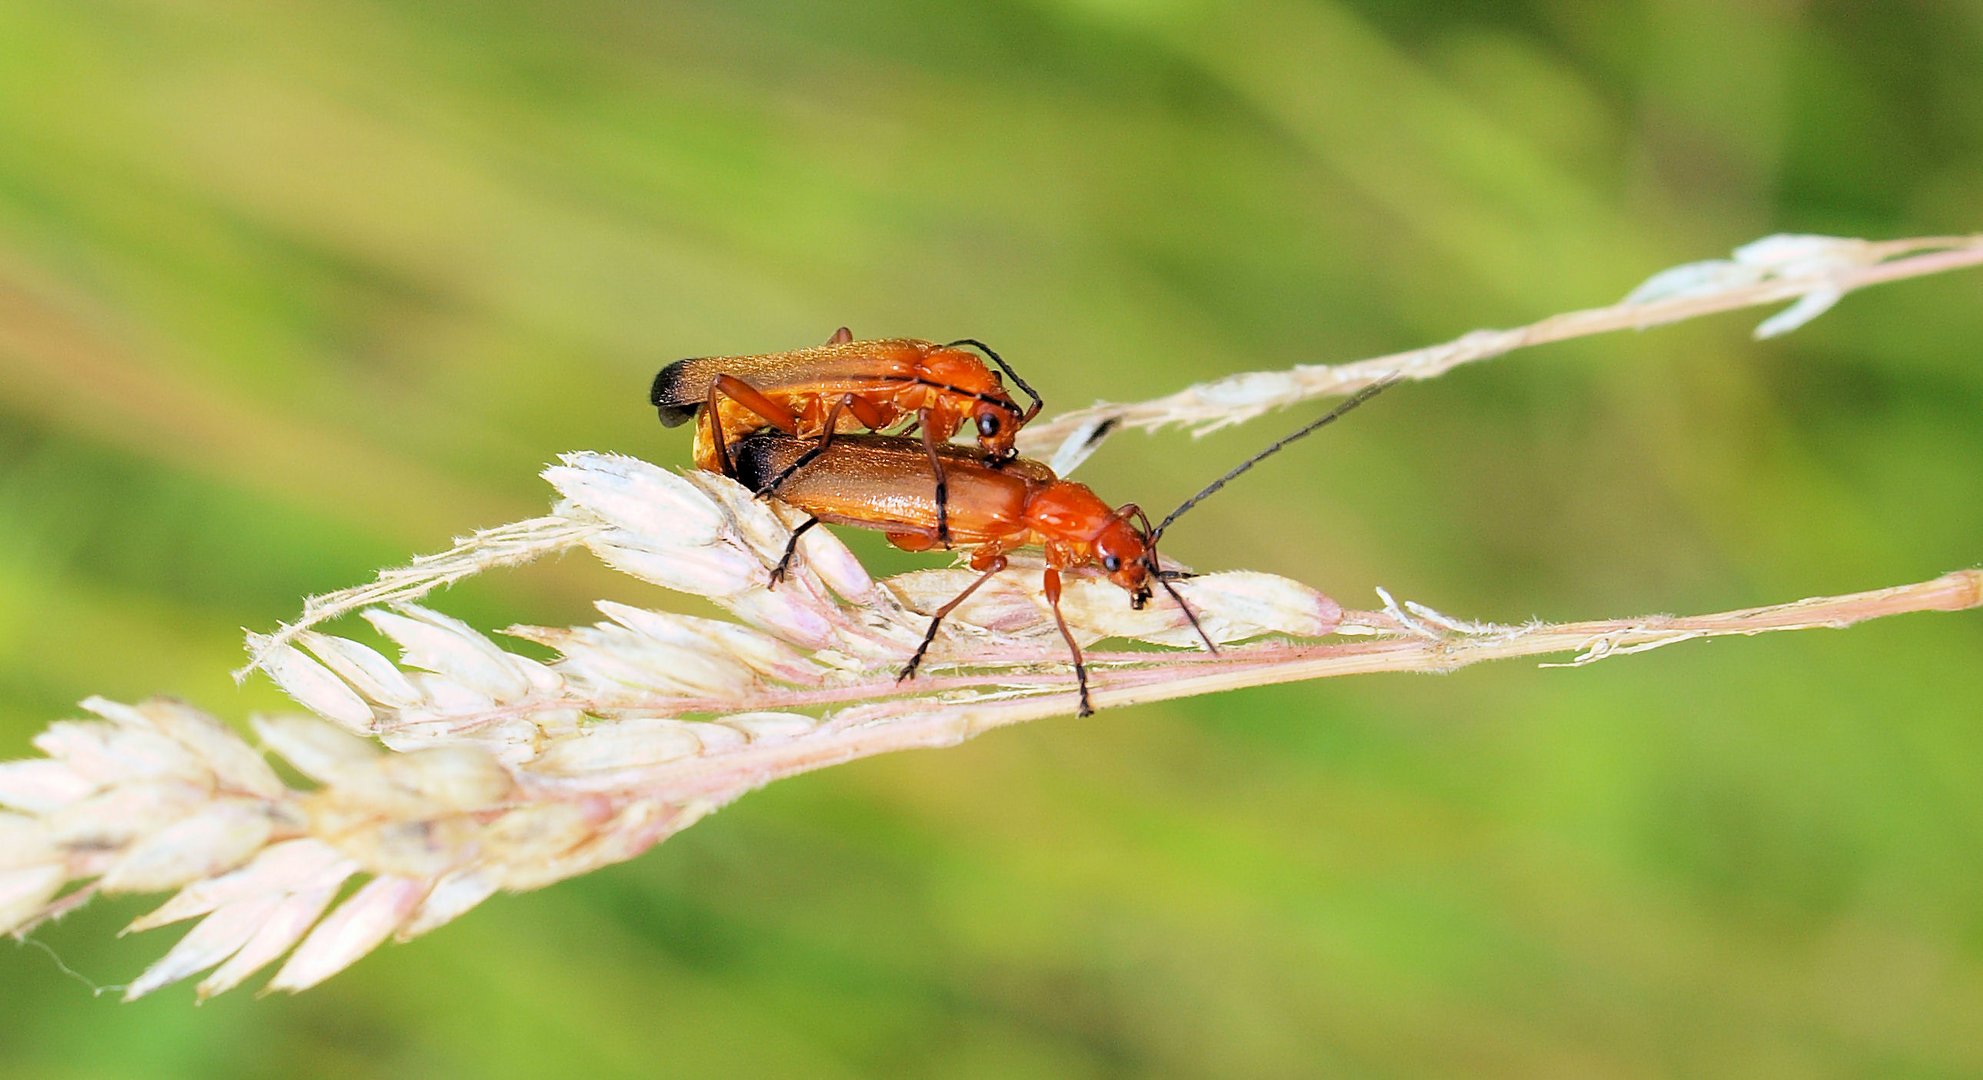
(847, 385)
(884, 483)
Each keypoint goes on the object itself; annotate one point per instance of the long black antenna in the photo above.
(1190, 616)
(1007, 368)
(1157, 572)
(1349, 403)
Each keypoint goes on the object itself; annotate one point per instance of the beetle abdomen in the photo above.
(670, 396)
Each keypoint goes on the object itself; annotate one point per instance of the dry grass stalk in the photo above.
(1813, 272)
(464, 768)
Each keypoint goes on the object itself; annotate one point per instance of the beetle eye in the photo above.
(988, 424)
(1111, 563)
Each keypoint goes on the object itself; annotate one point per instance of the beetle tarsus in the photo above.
(791, 549)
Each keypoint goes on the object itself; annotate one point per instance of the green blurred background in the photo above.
(292, 291)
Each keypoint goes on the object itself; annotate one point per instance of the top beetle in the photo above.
(845, 385)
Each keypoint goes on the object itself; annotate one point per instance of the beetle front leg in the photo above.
(1051, 584)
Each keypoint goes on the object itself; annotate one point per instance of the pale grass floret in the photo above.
(464, 768)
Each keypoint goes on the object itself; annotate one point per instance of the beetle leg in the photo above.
(750, 397)
(992, 566)
(942, 481)
(841, 337)
(1051, 581)
(791, 549)
(709, 431)
(867, 412)
(812, 454)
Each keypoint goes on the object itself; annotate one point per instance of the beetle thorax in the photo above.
(1078, 529)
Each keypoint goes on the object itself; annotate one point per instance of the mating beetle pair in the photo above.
(790, 425)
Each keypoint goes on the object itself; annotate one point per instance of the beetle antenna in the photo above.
(1007, 368)
(1309, 428)
(1164, 578)
(1190, 616)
